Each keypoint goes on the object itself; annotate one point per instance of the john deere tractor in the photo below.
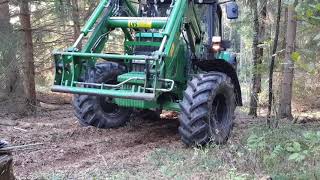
(174, 58)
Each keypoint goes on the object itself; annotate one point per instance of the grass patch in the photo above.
(288, 152)
(291, 151)
(185, 163)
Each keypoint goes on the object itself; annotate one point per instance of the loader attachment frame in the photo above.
(72, 64)
(166, 69)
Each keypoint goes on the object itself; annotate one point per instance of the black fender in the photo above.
(223, 66)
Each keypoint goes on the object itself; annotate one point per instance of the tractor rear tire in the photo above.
(207, 110)
(99, 111)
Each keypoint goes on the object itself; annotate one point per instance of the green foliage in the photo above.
(309, 11)
(256, 142)
(280, 150)
(293, 147)
(296, 152)
(312, 137)
(309, 14)
(296, 56)
(289, 2)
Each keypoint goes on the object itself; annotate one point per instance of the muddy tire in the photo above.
(207, 110)
(99, 111)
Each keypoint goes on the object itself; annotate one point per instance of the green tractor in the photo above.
(174, 59)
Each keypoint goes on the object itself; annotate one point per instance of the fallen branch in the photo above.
(8, 123)
(20, 129)
(12, 148)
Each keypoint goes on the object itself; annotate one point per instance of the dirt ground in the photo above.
(66, 150)
(69, 148)
(70, 151)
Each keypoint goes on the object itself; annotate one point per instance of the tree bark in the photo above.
(262, 38)
(256, 78)
(76, 20)
(27, 48)
(284, 29)
(288, 69)
(274, 51)
(8, 50)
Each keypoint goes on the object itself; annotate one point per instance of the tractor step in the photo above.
(149, 35)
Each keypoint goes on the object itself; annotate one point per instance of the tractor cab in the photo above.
(210, 15)
(213, 46)
(154, 8)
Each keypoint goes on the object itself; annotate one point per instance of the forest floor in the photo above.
(146, 149)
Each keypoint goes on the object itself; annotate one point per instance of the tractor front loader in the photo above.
(174, 59)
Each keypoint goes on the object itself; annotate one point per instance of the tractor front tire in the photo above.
(100, 111)
(207, 110)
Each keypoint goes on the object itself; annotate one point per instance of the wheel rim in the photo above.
(108, 106)
(219, 115)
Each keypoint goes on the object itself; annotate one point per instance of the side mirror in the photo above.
(232, 10)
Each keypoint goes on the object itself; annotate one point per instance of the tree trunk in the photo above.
(8, 50)
(76, 21)
(262, 38)
(27, 48)
(12, 96)
(284, 29)
(256, 78)
(288, 69)
(274, 51)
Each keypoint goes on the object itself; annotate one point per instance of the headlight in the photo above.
(216, 43)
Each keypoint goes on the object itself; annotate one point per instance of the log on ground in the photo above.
(6, 171)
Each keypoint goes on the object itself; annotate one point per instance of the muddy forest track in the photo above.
(68, 146)
(78, 151)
